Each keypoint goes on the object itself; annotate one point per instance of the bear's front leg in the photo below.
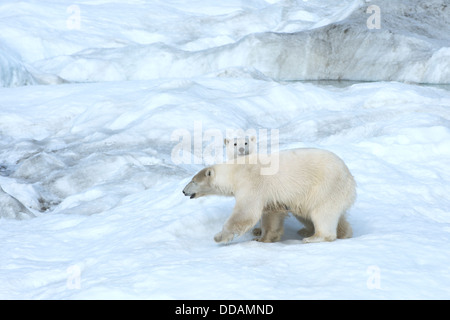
(243, 218)
(223, 237)
(272, 226)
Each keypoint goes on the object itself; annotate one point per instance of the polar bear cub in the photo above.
(238, 147)
(314, 185)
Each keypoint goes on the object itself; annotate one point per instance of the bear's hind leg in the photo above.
(344, 230)
(325, 220)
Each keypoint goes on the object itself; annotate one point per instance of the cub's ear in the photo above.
(253, 139)
(226, 141)
(209, 172)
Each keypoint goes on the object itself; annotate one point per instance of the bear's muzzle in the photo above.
(190, 195)
(187, 192)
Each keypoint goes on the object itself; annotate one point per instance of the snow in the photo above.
(108, 108)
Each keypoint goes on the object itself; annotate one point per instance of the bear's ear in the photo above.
(226, 141)
(209, 172)
(253, 139)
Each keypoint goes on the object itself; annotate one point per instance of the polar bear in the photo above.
(314, 184)
(238, 147)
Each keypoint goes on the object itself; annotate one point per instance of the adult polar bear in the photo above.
(314, 184)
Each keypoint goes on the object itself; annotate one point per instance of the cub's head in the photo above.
(201, 184)
(240, 146)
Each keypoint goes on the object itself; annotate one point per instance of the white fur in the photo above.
(238, 147)
(315, 185)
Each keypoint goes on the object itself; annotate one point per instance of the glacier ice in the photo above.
(10, 207)
(411, 45)
(12, 71)
(299, 40)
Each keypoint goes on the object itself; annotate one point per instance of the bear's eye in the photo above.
(235, 144)
(246, 143)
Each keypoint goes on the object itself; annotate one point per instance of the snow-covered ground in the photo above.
(98, 96)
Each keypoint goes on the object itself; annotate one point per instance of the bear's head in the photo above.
(240, 146)
(201, 184)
